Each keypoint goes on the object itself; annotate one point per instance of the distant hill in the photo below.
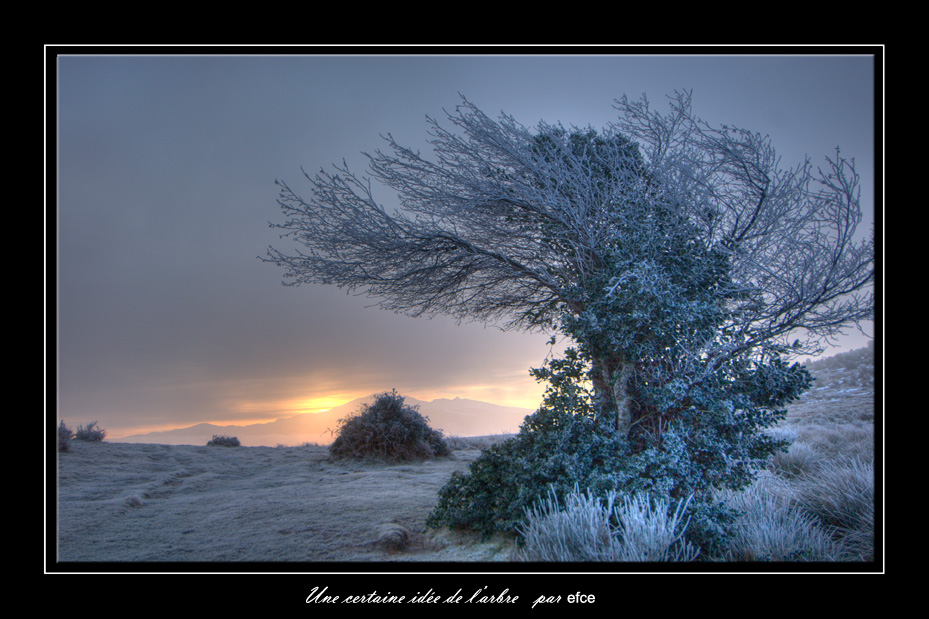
(855, 367)
(455, 417)
(843, 390)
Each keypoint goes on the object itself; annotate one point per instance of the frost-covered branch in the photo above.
(666, 247)
(498, 226)
(796, 266)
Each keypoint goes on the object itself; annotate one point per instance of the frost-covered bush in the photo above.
(629, 529)
(554, 451)
(65, 434)
(90, 433)
(389, 430)
(224, 441)
(566, 443)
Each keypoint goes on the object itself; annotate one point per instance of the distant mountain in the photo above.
(455, 417)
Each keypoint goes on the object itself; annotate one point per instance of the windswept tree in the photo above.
(662, 243)
(685, 264)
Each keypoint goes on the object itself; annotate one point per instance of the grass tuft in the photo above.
(771, 528)
(632, 529)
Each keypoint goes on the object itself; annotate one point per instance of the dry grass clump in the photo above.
(388, 430)
(771, 527)
(841, 496)
(830, 470)
(632, 529)
(815, 503)
(826, 514)
(815, 446)
(800, 460)
(841, 440)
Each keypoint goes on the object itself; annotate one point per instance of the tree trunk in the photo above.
(611, 383)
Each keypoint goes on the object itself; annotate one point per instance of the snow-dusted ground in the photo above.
(120, 502)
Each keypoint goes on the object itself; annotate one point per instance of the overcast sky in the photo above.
(166, 169)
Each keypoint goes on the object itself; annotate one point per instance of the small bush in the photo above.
(388, 430)
(90, 433)
(224, 441)
(65, 434)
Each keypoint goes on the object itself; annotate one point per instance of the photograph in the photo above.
(460, 310)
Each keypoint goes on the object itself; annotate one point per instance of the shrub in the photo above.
(65, 434)
(633, 529)
(392, 536)
(553, 452)
(566, 443)
(388, 430)
(90, 433)
(224, 441)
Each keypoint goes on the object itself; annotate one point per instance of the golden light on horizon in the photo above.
(241, 408)
(316, 404)
(270, 407)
